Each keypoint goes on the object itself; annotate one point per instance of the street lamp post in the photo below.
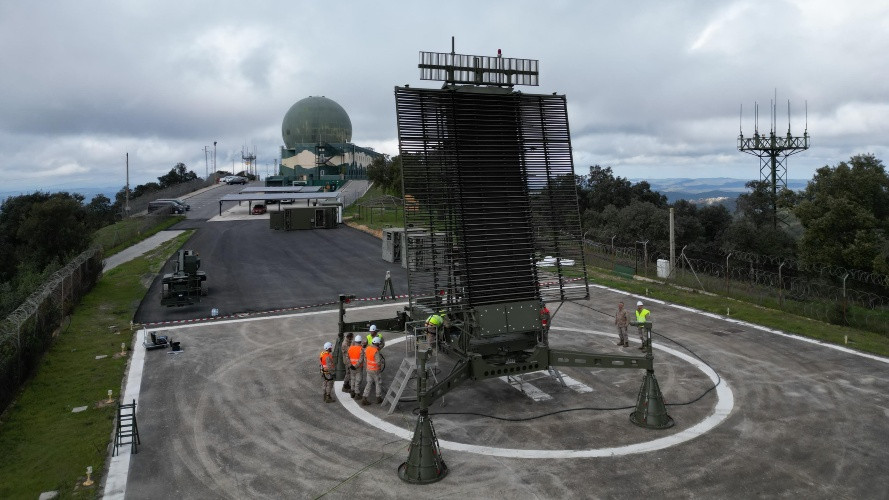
(214, 158)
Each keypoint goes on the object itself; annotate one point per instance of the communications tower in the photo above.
(249, 159)
(773, 151)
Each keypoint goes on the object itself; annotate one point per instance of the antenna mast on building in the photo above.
(773, 151)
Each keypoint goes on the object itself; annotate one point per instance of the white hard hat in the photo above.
(358, 339)
(639, 303)
(373, 328)
(376, 340)
(328, 345)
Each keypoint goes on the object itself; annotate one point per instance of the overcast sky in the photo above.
(654, 88)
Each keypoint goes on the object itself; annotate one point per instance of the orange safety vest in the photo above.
(355, 354)
(370, 354)
(325, 357)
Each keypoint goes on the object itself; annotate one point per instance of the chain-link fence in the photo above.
(129, 230)
(27, 332)
(825, 293)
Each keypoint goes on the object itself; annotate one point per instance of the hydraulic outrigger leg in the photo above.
(651, 411)
(424, 464)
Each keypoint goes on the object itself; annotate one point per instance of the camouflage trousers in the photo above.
(327, 384)
(356, 378)
(622, 334)
(373, 378)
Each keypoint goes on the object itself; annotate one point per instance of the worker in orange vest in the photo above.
(344, 354)
(327, 368)
(372, 361)
(356, 365)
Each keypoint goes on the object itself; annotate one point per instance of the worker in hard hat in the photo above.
(643, 315)
(373, 362)
(375, 334)
(356, 365)
(327, 369)
(434, 325)
(344, 354)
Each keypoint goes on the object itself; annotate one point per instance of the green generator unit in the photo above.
(296, 218)
(185, 285)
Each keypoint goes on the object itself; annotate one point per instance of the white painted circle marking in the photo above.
(724, 404)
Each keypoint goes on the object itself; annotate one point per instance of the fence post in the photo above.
(727, 272)
(780, 286)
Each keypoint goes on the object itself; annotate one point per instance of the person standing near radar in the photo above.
(327, 368)
(375, 334)
(356, 365)
(642, 315)
(372, 362)
(622, 321)
(344, 354)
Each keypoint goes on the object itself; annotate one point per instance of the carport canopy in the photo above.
(251, 197)
(281, 189)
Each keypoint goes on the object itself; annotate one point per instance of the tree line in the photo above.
(840, 219)
(40, 232)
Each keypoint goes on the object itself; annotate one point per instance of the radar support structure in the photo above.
(491, 233)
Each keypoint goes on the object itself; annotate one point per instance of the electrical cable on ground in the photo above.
(369, 465)
(548, 414)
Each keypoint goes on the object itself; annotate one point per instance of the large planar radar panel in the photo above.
(489, 193)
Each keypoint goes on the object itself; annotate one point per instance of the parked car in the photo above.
(236, 179)
(170, 206)
(259, 209)
(179, 202)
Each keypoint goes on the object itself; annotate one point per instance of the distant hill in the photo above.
(708, 191)
(88, 192)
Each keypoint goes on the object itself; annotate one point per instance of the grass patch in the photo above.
(46, 446)
(861, 340)
(374, 219)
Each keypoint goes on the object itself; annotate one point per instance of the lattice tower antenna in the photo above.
(773, 150)
(249, 159)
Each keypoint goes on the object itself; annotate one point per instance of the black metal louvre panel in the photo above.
(553, 195)
(476, 168)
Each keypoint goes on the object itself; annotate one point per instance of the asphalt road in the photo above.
(252, 268)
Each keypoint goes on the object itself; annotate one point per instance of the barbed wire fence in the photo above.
(26, 333)
(136, 226)
(832, 294)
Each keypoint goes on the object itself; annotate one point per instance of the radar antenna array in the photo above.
(453, 68)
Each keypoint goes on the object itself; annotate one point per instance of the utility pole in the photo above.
(206, 164)
(127, 205)
(672, 244)
(214, 158)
